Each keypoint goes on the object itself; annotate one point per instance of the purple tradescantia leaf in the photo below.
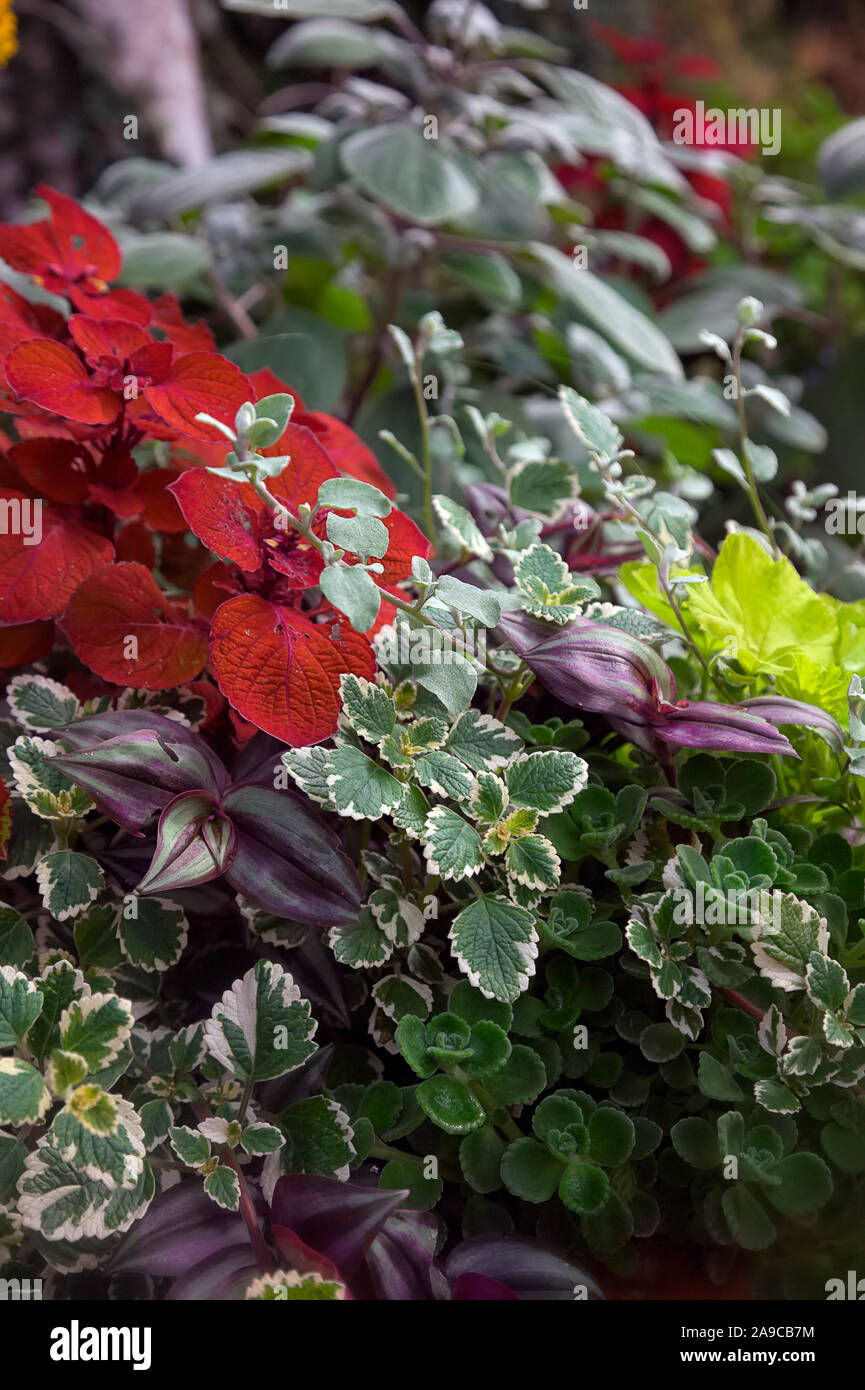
(225, 1275)
(338, 1219)
(133, 772)
(779, 710)
(287, 861)
(194, 844)
(481, 1286)
(528, 1269)
(608, 671)
(400, 1258)
(181, 1229)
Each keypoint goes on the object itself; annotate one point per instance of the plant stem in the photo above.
(756, 504)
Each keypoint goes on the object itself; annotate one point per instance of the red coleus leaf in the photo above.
(54, 468)
(125, 629)
(281, 671)
(5, 817)
(226, 516)
(37, 581)
(19, 320)
(25, 643)
(49, 375)
(167, 318)
(308, 468)
(212, 588)
(159, 510)
(199, 382)
(134, 542)
(72, 254)
(406, 540)
(114, 338)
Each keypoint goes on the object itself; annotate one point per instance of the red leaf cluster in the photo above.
(109, 467)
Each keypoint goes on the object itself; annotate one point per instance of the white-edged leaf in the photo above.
(155, 937)
(359, 788)
(24, 1097)
(452, 847)
(63, 1204)
(460, 524)
(369, 709)
(546, 781)
(223, 1187)
(68, 882)
(362, 946)
(97, 1027)
(40, 704)
(496, 945)
(20, 1005)
(43, 786)
(262, 1027)
(482, 742)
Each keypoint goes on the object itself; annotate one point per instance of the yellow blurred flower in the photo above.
(8, 32)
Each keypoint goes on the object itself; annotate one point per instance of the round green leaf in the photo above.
(450, 1105)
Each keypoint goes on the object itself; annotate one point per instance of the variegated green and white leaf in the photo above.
(262, 1027)
(109, 1149)
(190, 1146)
(65, 1070)
(59, 984)
(153, 933)
(63, 1204)
(546, 781)
(362, 946)
(489, 799)
(368, 708)
(533, 862)
(411, 814)
(43, 786)
(223, 1187)
(318, 1139)
(309, 768)
(782, 949)
(595, 429)
(549, 588)
(496, 945)
(461, 525)
(398, 995)
(20, 1005)
(97, 1027)
(187, 1047)
(68, 882)
(452, 847)
(24, 1097)
(445, 775)
(40, 704)
(261, 1138)
(483, 743)
(359, 788)
(399, 919)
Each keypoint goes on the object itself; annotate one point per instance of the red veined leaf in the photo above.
(406, 540)
(308, 468)
(121, 501)
(278, 669)
(356, 653)
(347, 451)
(5, 817)
(159, 509)
(134, 542)
(84, 246)
(167, 317)
(51, 376)
(19, 320)
(113, 304)
(104, 337)
(25, 643)
(212, 588)
(226, 516)
(120, 611)
(54, 468)
(300, 564)
(199, 382)
(37, 581)
(117, 468)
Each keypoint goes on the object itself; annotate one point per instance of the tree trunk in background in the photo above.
(152, 54)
